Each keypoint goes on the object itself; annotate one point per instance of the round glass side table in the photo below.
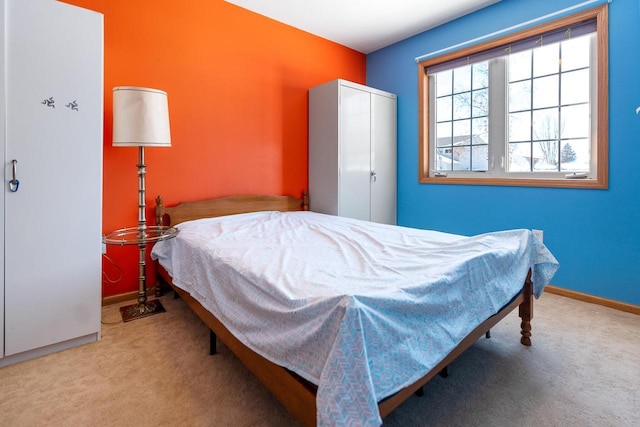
(141, 237)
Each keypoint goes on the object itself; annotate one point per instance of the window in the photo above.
(528, 109)
(461, 119)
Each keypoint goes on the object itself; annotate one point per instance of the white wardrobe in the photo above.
(51, 108)
(352, 151)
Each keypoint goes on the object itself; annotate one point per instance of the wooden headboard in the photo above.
(229, 205)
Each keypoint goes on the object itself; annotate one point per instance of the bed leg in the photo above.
(445, 372)
(212, 343)
(488, 334)
(526, 312)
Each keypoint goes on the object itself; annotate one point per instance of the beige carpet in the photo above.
(582, 370)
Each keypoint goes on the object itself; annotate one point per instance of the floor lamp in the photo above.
(140, 119)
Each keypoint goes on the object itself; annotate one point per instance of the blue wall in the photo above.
(594, 234)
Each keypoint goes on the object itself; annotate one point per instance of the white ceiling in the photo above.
(363, 25)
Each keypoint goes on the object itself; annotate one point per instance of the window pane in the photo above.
(575, 87)
(480, 75)
(545, 156)
(575, 53)
(519, 157)
(480, 159)
(462, 106)
(575, 155)
(444, 83)
(461, 158)
(575, 122)
(462, 79)
(480, 131)
(480, 103)
(443, 134)
(545, 92)
(546, 60)
(443, 159)
(520, 96)
(520, 66)
(545, 124)
(443, 109)
(520, 127)
(462, 132)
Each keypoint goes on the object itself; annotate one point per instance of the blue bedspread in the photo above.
(357, 308)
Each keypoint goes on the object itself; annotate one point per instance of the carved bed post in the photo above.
(526, 311)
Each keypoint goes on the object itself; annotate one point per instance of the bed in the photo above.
(343, 319)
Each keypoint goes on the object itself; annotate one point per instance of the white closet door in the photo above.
(355, 167)
(383, 159)
(2, 158)
(54, 131)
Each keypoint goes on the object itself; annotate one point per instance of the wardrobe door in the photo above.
(2, 158)
(355, 146)
(54, 96)
(383, 159)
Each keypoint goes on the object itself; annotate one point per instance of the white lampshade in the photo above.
(140, 117)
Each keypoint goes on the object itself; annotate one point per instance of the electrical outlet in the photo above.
(539, 234)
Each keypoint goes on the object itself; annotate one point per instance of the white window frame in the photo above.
(496, 175)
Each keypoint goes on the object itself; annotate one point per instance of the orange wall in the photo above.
(237, 84)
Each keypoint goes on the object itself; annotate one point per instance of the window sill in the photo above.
(599, 184)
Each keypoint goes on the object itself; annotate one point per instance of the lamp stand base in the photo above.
(140, 310)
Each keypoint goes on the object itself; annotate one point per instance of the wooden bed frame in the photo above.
(296, 394)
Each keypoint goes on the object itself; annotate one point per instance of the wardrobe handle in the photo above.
(374, 177)
(14, 183)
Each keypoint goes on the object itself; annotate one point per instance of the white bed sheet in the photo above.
(357, 308)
